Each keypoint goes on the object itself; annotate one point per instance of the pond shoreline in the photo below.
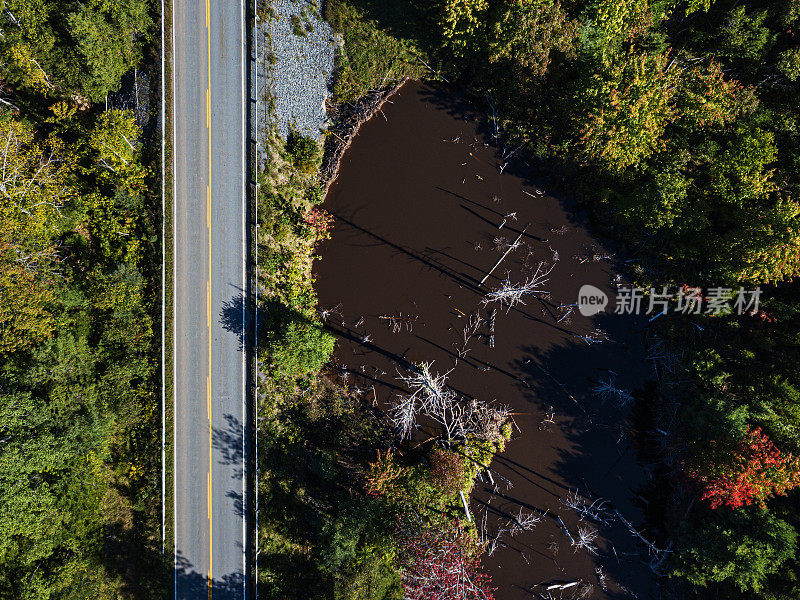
(347, 121)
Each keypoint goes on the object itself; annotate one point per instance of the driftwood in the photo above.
(466, 506)
(509, 249)
(397, 322)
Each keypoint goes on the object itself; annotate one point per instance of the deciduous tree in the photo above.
(462, 23)
(628, 107)
(439, 565)
(527, 32)
(753, 471)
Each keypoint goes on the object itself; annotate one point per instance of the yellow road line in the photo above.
(208, 32)
(208, 398)
(208, 304)
(208, 488)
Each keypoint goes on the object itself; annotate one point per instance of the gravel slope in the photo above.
(297, 61)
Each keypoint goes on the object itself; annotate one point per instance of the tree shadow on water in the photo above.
(596, 458)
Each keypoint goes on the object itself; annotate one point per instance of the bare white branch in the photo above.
(595, 510)
(585, 539)
(607, 391)
(431, 397)
(510, 294)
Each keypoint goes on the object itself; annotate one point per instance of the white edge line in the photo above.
(254, 131)
(163, 299)
(174, 390)
(245, 106)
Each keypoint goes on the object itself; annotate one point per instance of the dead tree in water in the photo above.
(596, 510)
(512, 246)
(511, 526)
(510, 294)
(524, 521)
(470, 330)
(658, 554)
(457, 418)
(585, 539)
(426, 387)
(607, 391)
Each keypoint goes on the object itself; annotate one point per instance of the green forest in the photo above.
(79, 268)
(677, 125)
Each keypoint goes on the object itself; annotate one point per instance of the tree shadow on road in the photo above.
(232, 317)
(229, 441)
(191, 585)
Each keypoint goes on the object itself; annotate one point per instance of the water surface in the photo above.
(419, 204)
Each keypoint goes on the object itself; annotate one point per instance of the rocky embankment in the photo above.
(297, 51)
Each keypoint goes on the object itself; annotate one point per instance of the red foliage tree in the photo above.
(447, 470)
(319, 220)
(439, 565)
(758, 471)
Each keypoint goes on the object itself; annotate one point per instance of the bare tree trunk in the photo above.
(510, 248)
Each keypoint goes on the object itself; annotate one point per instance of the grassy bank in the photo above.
(168, 540)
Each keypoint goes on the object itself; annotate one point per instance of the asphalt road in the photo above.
(208, 115)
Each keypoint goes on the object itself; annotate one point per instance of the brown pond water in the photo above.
(418, 204)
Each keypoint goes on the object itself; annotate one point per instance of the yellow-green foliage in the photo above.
(53, 47)
(371, 57)
(304, 152)
(525, 34)
(114, 138)
(629, 108)
(462, 23)
(429, 484)
(286, 236)
(77, 403)
(615, 22)
(34, 193)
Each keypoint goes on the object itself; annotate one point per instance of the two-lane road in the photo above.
(210, 259)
